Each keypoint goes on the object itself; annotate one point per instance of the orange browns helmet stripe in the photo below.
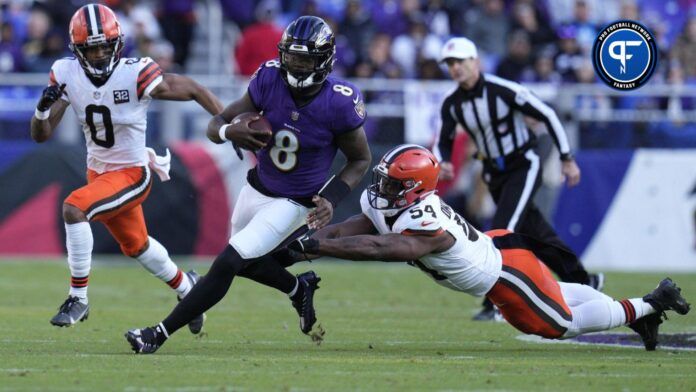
(93, 23)
(411, 161)
(404, 175)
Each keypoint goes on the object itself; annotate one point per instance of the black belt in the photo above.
(505, 162)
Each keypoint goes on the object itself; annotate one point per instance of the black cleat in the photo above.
(667, 296)
(596, 281)
(70, 312)
(647, 327)
(146, 340)
(304, 304)
(196, 325)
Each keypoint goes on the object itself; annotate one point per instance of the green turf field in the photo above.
(388, 328)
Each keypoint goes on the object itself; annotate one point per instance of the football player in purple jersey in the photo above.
(312, 115)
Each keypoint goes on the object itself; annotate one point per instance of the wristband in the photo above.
(42, 115)
(335, 190)
(565, 157)
(221, 132)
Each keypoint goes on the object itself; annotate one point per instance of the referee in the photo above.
(492, 111)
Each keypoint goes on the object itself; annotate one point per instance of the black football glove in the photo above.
(305, 244)
(49, 96)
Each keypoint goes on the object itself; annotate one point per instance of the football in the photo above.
(262, 124)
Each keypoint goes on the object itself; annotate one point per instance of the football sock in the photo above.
(268, 271)
(207, 292)
(156, 260)
(595, 311)
(79, 243)
(636, 308)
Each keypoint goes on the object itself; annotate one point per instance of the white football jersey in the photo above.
(471, 265)
(113, 116)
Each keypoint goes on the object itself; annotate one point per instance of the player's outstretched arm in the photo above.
(355, 225)
(387, 247)
(176, 87)
(49, 112)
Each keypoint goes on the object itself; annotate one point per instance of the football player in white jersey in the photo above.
(110, 96)
(404, 220)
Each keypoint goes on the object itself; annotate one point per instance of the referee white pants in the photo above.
(260, 223)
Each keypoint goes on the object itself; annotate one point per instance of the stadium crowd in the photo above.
(546, 41)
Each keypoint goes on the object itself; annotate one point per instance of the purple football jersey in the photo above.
(297, 159)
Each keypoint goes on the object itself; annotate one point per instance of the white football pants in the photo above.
(260, 223)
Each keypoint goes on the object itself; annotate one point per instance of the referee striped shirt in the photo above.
(492, 113)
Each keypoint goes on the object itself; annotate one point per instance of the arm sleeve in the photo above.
(447, 132)
(532, 106)
(149, 77)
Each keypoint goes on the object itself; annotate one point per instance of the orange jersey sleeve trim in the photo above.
(146, 76)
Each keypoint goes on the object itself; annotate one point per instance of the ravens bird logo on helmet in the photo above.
(307, 52)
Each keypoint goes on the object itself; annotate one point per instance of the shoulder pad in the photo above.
(420, 219)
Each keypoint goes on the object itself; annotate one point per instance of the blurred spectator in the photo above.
(487, 25)
(38, 25)
(437, 18)
(543, 70)
(137, 20)
(138, 24)
(10, 50)
(430, 70)
(161, 51)
(570, 56)
(409, 50)
(259, 41)
(177, 20)
(539, 32)
(684, 50)
(357, 27)
(379, 63)
(629, 10)
(54, 47)
(59, 11)
(586, 31)
(241, 12)
(519, 58)
(388, 18)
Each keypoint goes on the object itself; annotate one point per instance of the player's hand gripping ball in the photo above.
(252, 131)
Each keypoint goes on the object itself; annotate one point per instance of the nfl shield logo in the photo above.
(97, 95)
(294, 115)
